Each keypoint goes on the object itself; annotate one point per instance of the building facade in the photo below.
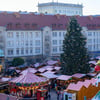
(60, 8)
(30, 35)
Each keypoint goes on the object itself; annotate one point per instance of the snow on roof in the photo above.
(64, 77)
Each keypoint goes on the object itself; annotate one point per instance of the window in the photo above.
(47, 38)
(36, 34)
(60, 34)
(17, 51)
(89, 40)
(10, 43)
(10, 34)
(31, 35)
(10, 52)
(37, 50)
(31, 50)
(31, 42)
(22, 50)
(89, 34)
(17, 43)
(54, 49)
(60, 41)
(54, 34)
(26, 50)
(17, 34)
(26, 43)
(22, 35)
(90, 47)
(63, 33)
(94, 33)
(60, 49)
(22, 42)
(37, 42)
(55, 42)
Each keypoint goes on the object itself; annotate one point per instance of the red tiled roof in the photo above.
(33, 22)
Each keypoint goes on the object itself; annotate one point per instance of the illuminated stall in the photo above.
(27, 85)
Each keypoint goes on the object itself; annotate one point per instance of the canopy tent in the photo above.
(41, 70)
(57, 68)
(51, 62)
(50, 72)
(78, 75)
(49, 75)
(5, 79)
(64, 77)
(37, 65)
(33, 70)
(92, 62)
(98, 57)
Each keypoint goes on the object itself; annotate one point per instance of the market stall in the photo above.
(26, 85)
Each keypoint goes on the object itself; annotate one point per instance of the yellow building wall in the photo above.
(89, 92)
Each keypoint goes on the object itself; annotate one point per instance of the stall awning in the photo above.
(64, 77)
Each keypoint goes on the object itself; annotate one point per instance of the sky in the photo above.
(91, 7)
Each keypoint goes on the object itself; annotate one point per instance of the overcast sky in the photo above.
(91, 7)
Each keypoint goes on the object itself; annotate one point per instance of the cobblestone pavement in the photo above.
(53, 95)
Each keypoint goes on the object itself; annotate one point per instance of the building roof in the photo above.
(28, 78)
(79, 85)
(64, 77)
(78, 75)
(31, 21)
(59, 4)
(32, 70)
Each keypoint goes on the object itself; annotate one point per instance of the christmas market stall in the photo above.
(51, 76)
(27, 85)
(79, 77)
(4, 85)
(86, 89)
(63, 80)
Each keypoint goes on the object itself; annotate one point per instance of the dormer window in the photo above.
(18, 25)
(53, 25)
(34, 25)
(60, 25)
(26, 25)
(9, 25)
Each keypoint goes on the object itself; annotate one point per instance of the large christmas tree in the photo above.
(75, 57)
